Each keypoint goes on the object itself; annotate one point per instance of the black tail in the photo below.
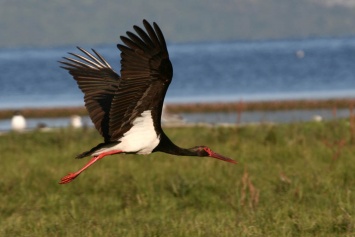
(84, 154)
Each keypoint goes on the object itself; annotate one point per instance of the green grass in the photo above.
(287, 183)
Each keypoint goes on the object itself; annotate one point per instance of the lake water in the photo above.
(203, 72)
(216, 71)
(246, 117)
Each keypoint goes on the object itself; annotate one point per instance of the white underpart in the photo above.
(141, 138)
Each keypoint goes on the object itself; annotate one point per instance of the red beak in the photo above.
(220, 157)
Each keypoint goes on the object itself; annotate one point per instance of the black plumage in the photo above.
(115, 102)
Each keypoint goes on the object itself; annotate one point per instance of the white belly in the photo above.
(140, 139)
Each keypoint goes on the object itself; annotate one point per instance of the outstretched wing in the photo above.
(146, 73)
(99, 82)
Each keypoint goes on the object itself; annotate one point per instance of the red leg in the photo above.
(68, 178)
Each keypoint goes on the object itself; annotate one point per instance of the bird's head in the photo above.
(206, 151)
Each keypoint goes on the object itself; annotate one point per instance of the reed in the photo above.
(239, 107)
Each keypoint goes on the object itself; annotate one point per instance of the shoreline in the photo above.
(201, 107)
(268, 105)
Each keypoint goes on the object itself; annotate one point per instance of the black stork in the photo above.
(126, 109)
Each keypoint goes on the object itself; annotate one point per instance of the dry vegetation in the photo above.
(261, 105)
(238, 107)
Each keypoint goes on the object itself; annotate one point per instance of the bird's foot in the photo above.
(71, 176)
(68, 178)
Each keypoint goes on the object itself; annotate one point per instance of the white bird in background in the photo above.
(75, 121)
(18, 122)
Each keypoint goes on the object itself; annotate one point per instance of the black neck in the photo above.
(167, 146)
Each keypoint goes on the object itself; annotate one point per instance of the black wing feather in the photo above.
(113, 102)
(98, 82)
(146, 73)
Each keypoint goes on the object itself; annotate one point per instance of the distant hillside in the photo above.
(61, 22)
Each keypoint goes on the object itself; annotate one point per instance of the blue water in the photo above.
(232, 71)
(247, 117)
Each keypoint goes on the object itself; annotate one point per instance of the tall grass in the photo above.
(287, 183)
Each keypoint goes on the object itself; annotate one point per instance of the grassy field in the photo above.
(291, 180)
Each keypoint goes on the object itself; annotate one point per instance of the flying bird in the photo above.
(126, 110)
